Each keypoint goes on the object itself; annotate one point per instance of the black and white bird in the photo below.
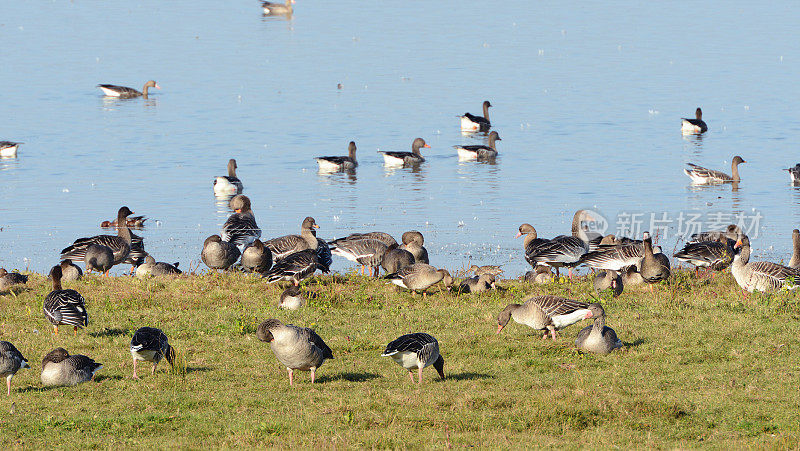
(240, 229)
(297, 348)
(228, 185)
(151, 345)
(479, 151)
(124, 92)
(472, 123)
(414, 157)
(415, 352)
(339, 163)
(120, 244)
(794, 173)
(8, 149)
(11, 360)
(64, 307)
(295, 267)
(696, 125)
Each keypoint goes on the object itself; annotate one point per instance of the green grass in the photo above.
(702, 366)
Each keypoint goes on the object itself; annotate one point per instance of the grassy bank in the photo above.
(702, 366)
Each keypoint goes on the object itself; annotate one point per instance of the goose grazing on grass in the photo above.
(228, 185)
(794, 262)
(413, 242)
(240, 229)
(219, 254)
(256, 257)
(419, 277)
(486, 269)
(415, 352)
(65, 307)
(123, 92)
(8, 149)
(151, 267)
(608, 280)
(278, 9)
(696, 125)
(98, 258)
(295, 267)
(705, 176)
(731, 232)
(297, 348)
(716, 255)
(367, 253)
(471, 123)
(794, 173)
(396, 259)
(60, 368)
(477, 284)
(9, 279)
(151, 345)
(654, 267)
(405, 158)
(11, 360)
(70, 271)
(761, 276)
(545, 313)
(597, 338)
(292, 298)
(120, 244)
(479, 152)
(286, 245)
(333, 164)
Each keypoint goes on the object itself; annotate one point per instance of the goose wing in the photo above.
(149, 338)
(296, 266)
(283, 246)
(122, 90)
(614, 257)
(66, 307)
(240, 229)
(555, 305)
(77, 250)
(410, 342)
(561, 249)
(316, 340)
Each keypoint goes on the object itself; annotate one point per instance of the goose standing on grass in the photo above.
(228, 185)
(278, 9)
(297, 348)
(256, 257)
(716, 255)
(479, 152)
(761, 276)
(654, 267)
(292, 298)
(477, 284)
(794, 173)
(123, 92)
(471, 123)
(8, 149)
(295, 267)
(70, 271)
(614, 257)
(333, 164)
(137, 254)
(405, 158)
(9, 279)
(286, 245)
(240, 229)
(609, 279)
(563, 250)
(98, 258)
(151, 345)
(419, 277)
(11, 360)
(696, 125)
(705, 176)
(545, 313)
(151, 267)
(65, 307)
(597, 338)
(367, 253)
(794, 262)
(396, 259)
(413, 242)
(415, 352)
(120, 244)
(60, 368)
(219, 254)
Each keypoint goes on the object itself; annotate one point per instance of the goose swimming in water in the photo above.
(691, 126)
(479, 152)
(8, 149)
(228, 185)
(125, 92)
(705, 176)
(405, 158)
(471, 123)
(333, 164)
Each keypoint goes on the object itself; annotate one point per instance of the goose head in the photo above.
(698, 113)
(418, 144)
(526, 229)
(505, 316)
(309, 223)
(264, 331)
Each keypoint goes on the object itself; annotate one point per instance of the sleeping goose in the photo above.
(367, 253)
(419, 277)
(297, 348)
(413, 242)
(405, 158)
(61, 368)
(396, 259)
(219, 254)
(479, 152)
(240, 229)
(477, 284)
(415, 352)
(654, 267)
(292, 298)
(545, 313)
(794, 173)
(696, 125)
(761, 276)
(278, 9)
(701, 175)
(470, 123)
(608, 279)
(286, 245)
(295, 267)
(11, 360)
(120, 244)
(631, 277)
(98, 258)
(8, 149)
(151, 267)
(539, 275)
(151, 345)
(256, 257)
(64, 306)
(794, 262)
(70, 271)
(597, 338)
(731, 232)
(486, 269)
(333, 164)
(124, 92)
(228, 185)
(9, 279)
(716, 255)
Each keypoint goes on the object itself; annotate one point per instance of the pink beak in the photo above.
(158, 87)
(519, 234)
(588, 315)
(499, 328)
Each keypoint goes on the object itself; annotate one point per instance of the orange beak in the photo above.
(738, 244)
(316, 226)
(238, 210)
(588, 315)
(499, 328)
(427, 145)
(519, 234)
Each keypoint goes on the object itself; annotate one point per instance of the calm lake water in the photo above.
(587, 100)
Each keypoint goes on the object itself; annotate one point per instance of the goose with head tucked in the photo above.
(98, 258)
(415, 352)
(8, 149)
(70, 271)
(278, 9)
(477, 284)
(124, 92)
(9, 279)
(120, 244)
(11, 360)
(297, 348)
(405, 158)
(151, 267)
(151, 345)
(413, 242)
(64, 307)
(256, 257)
(240, 229)
(367, 253)
(545, 313)
(59, 368)
(540, 274)
(694, 126)
(420, 277)
(286, 245)
(472, 123)
(219, 254)
(396, 259)
(228, 185)
(760, 276)
(292, 298)
(479, 151)
(295, 267)
(333, 164)
(705, 176)
(597, 338)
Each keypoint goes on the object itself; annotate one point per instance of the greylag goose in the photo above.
(98, 258)
(133, 222)
(70, 271)
(61, 368)
(219, 254)
(795, 260)
(716, 255)
(347, 163)
(561, 251)
(545, 313)
(694, 125)
(477, 284)
(608, 279)
(11, 360)
(151, 345)
(701, 175)
(8, 149)
(383, 237)
(761, 276)
(597, 338)
(539, 275)
(479, 152)
(295, 267)
(64, 306)
(731, 232)
(486, 269)
(614, 257)
(420, 277)
(396, 259)
(405, 158)
(367, 253)
(413, 242)
(120, 244)
(794, 173)
(278, 9)
(297, 348)
(241, 229)
(654, 267)
(137, 254)
(471, 123)
(256, 257)
(124, 92)
(291, 298)
(415, 352)
(228, 185)
(9, 279)
(286, 245)
(151, 267)
(631, 277)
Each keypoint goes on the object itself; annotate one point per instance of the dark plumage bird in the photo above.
(406, 158)
(396, 259)
(65, 307)
(151, 345)
(283, 246)
(716, 255)
(256, 257)
(654, 267)
(695, 125)
(219, 254)
(240, 229)
(295, 267)
(367, 253)
(120, 244)
(98, 258)
(597, 338)
(334, 163)
(415, 352)
(9, 279)
(11, 360)
(479, 151)
(61, 368)
(297, 348)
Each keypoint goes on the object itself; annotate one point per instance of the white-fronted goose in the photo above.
(701, 175)
(405, 158)
(61, 368)
(286, 245)
(151, 267)
(151, 345)
(696, 125)
(794, 262)
(367, 253)
(278, 9)
(413, 242)
(256, 257)
(98, 258)
(64, 306)
(794, 173)
(540, 274)
(8, 149)
(333, 164)
(219, 254)
(292, 298)
(133, 222)
(477, 284)
(653, 267)
(597, 338)
(70, 271)
(396, 259)
(609, 279)
(716, 255)
(486, 269)
(479, 152)
(297, 348)
(614, 257)
(415, 352)
(11, 360)
(124, 92)
(241, 229)
(295, 267)
(545, 313)
(761, 276)
(228, 185)
(419, 277)
(731, 232)
(9, 279)
(120, 244)
(384, 237)
(471, 123)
